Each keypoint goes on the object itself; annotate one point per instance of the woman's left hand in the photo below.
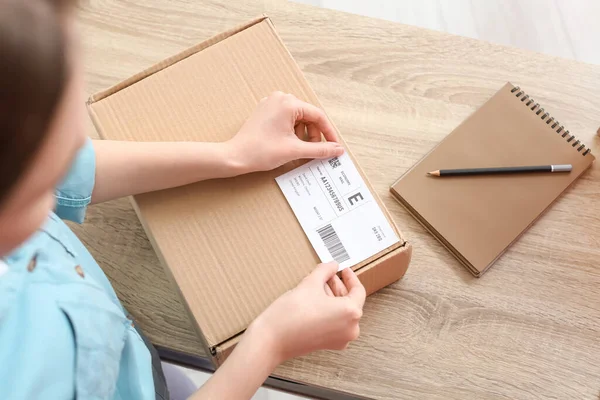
(281, 129)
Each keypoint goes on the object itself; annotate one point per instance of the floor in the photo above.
(563, 28)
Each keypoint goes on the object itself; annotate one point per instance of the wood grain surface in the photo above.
(561, 28)
(529, 329)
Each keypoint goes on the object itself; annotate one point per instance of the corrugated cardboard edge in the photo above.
(375, 273)
(386, 270)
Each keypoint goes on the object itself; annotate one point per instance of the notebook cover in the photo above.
(478, 217)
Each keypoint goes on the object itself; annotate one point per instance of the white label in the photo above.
(337, 211)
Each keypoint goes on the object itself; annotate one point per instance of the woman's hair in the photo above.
(33, 75)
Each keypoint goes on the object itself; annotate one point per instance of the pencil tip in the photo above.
(434, 173)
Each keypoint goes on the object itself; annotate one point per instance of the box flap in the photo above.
(232, 246)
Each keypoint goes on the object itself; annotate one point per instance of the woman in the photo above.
(64, 334)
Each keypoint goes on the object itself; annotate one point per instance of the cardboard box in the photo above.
(231, 246)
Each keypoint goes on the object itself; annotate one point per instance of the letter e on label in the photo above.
(355, 199)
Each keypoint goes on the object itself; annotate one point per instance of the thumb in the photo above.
(324, 272)
(318, 149)
(356, 290)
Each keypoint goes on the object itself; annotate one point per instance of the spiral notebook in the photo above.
(478, 217)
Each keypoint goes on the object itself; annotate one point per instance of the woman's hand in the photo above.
(281, 129)
(322, 312)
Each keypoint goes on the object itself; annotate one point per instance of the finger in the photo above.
(314, 134)
(356, 291)
(324, 272)
(314, 115)
(337, 287)
(328, 291)
(300, 130)
(318, 150)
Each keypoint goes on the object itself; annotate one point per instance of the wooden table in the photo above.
(530, 328)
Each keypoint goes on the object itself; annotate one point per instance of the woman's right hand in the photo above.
(322, 312)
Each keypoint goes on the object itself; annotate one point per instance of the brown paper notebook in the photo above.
(478, 217)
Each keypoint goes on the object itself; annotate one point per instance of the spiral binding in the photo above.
(520, 94)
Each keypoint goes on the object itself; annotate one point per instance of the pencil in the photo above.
(502, 170)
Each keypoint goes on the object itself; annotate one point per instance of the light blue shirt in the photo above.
(63, 332)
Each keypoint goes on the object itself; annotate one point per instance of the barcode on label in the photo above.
(333, 244)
